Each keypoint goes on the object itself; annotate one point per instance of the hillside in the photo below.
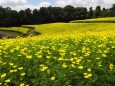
(96, 20)
(59, 28)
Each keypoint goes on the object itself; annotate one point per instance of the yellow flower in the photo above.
(111, 66)
(89, 69)
(8, 80)
(80, 67)
(29, 57)
(48, 57)
(13, 70)
(22, 74)
(72, 65)
(52, 78)
(60, 59)
(87, 75)
(44, 68)
(0, 83)
(104, 55)
(11, 64)
(20, 68)
(14, 66)
(22, 84)
(64, 65)
(3, 75)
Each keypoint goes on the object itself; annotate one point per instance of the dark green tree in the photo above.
(97, 12)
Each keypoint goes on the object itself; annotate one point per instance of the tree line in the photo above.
(9, 17)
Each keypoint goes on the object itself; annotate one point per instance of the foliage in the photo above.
(58, 60)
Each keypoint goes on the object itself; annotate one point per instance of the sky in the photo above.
(23, 4)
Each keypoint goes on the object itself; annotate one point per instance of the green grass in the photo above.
(17, 29)
(96, 20)
(57, 28)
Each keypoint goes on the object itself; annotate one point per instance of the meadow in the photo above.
(65, 54)
(16, 29)
(59, 28)
(96, 20)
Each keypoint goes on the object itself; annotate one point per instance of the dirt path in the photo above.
(8, 34)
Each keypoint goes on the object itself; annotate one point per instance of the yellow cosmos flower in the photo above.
(64, 65)
(8, 80)
(13, 70)
(80, 67)
(3, 75)
(22, 74)
(52, 78)
(104, 55)
(22, 84)
(87, 75)
(48, 57)
(0, 83)
(11, 64)
(89, 69)
(44, 68)
(111, 66)
(60, 59)
(20, 68)
(29, 57)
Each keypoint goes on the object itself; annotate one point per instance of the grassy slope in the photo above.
(98, 20)
(21, 29)
(57, 28)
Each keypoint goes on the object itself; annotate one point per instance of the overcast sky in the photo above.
(22, 4)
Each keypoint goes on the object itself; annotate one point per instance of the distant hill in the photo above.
(96, 20)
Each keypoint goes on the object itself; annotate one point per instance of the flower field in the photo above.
(58, 60)
(96, 20)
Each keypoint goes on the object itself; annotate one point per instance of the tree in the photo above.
(97, 12)
(90, 13)
(113, 10)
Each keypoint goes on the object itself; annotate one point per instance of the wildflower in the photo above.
(22, 74)
(20, 68)
(80, 67)
(87, 75)
(48, 57)
(64, 65)
(111, 66)
(13, 70)
(22, 84)
(8, 80)
(89, 69)
(104, 55)
(52, 78)
(60, 59)
(3, 75)
(11, 64)
(72, 65)
(29, 57)
(43, 67)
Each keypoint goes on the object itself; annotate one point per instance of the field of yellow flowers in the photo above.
(58, 60)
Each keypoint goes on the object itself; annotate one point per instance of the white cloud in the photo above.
(12, 3)
(85, 3)
(23, 4)
(42, 4)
